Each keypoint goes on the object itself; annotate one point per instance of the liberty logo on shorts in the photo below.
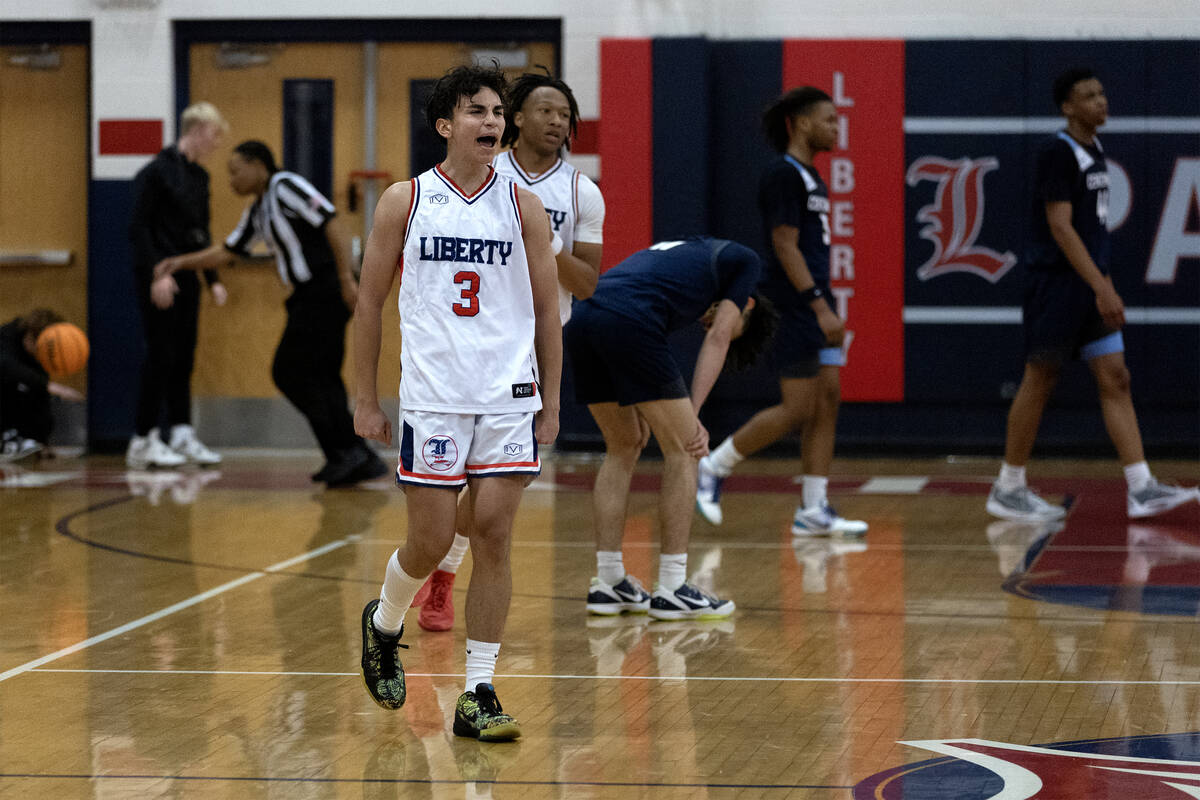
(440, 453)
(512, 449)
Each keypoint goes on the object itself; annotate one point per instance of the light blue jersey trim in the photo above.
(831, 357)
(1113, 343)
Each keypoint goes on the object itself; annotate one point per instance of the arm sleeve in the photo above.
(782, 197)
(297, 195)
(1056, 174)
(147, 197)
(243, 237)
(589, 225)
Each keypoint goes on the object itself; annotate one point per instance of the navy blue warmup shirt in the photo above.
(792, 193)
(1068, 171)
(672, 284)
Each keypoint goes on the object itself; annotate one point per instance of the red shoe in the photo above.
(437, 612)
(422, 594)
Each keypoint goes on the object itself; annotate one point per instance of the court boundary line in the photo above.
(735, 679)
(417, 781)
(195, 599)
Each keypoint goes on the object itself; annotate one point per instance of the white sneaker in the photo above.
(151, 451)
(1157, 498)
(708, 492)
(823, 521)
(688, 602)
(14, 447)
(1021, 504)
(185, 443)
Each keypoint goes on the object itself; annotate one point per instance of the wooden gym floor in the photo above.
(196, 634)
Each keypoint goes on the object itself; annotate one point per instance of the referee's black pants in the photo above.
(165, 396)
(308, 367)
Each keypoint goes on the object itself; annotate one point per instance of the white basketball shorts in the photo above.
(439, 449)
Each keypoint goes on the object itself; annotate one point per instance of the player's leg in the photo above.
(432, 470)
(1055, 311)
(436, 597)
(612, 590)
(673, 422)
(603, 347)
(478, 713)
(816, 516)
(795, 356)
(1145, 496)
(430, 511)
(1010, 496)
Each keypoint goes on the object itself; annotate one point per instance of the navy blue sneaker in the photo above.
(628, 595)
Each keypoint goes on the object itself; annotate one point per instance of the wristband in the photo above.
(811, 293)
(556, 244)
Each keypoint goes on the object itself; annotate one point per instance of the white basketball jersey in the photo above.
(557, 188)
(466, 303)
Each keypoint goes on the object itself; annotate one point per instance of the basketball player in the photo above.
(632, 386)
(171, 216)
(1072, 310)
(25, 386)
(478, 301)
(313, 254)
(540, 121)
(794, 203)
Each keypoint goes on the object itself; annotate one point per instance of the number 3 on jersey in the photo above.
(470, 293)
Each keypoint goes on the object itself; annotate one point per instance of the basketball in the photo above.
(62, 349)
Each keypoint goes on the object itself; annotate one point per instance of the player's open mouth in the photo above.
(487, 141)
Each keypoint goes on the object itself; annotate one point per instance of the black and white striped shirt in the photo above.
(290, 219)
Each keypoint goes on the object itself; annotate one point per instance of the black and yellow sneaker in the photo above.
(381, 668)
(478, 715)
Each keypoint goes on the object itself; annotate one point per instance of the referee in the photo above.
(312, 252)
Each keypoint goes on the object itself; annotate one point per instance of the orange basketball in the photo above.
(62, 349)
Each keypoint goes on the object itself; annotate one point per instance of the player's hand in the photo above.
(65, 392)
(831, 324)
(219, 292)
(164, 267)
(371, 423)
(545, 426)
(1111, 307)
(697, 447)
(163, 291)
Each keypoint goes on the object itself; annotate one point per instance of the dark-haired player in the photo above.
(481, 362)
(312, 252)
(540, 121)
(794, 203)
(625, 373)
(1072, 310)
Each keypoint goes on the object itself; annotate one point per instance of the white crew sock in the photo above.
(672, 570)
(610, 566)
(813, 488)
(1010, 477)
(1138, 475)
(722, 460)
(481, 662)
(454, 558)
(399, 589)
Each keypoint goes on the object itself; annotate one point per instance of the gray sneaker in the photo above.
(1021, 504)
(1156, 498)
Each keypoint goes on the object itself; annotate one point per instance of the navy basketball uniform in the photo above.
(791, 193)
(1061, 320)
(617, 338)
